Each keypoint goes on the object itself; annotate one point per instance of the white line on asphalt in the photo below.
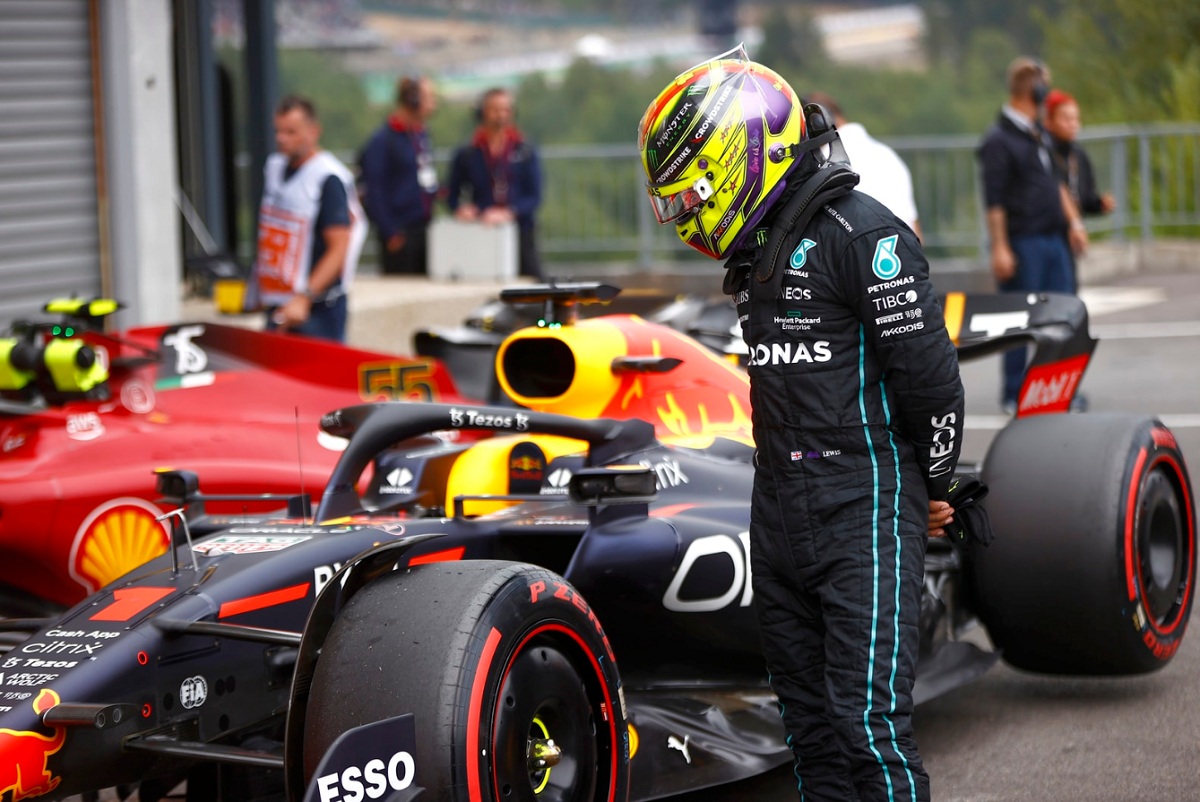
(1146, 331)
(996, 422)
(1107, 300)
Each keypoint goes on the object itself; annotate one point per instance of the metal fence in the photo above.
(595, 208)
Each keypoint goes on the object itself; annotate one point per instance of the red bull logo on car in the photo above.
(24, 755)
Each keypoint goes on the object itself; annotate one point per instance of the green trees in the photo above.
(1128, 61)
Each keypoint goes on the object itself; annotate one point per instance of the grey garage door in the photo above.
(49, 240)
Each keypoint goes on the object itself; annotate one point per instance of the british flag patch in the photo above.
(797, 456)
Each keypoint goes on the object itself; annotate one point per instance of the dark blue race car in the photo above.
(563, 610)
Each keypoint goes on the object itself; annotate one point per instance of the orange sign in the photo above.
(280, 238)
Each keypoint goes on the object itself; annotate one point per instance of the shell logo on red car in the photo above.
(115, 538)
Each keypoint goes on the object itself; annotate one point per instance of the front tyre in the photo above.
(508, 674)
(1093, 569)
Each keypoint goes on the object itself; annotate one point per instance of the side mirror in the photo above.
(179, 486)
(614, 484)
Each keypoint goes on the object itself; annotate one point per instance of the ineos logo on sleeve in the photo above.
(943, 444)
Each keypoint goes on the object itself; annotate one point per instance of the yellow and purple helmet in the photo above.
(716, 145)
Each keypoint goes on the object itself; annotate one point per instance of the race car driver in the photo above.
(857, 409)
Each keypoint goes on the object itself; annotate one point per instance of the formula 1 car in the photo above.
(84, 417)
(562, 610)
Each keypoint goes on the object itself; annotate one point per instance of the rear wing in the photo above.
(1055, 323)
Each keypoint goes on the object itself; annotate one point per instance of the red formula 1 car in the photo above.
(85, 418)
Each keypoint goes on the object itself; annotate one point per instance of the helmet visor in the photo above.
(672, 207)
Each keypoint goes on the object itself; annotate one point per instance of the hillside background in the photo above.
(584, 70)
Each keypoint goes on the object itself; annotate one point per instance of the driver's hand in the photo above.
(940, 514)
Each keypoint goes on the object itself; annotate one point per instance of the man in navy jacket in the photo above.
(496, 177)
(1033, 225)
(398, 179)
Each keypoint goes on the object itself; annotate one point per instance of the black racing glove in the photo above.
(971, 523)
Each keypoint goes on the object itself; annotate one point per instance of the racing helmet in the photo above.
(716, 145)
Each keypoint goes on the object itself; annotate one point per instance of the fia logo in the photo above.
(193, 692)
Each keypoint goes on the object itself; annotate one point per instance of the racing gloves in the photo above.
(971, 523)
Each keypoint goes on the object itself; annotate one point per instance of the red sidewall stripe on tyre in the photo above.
(1135, 482)
(474, 787)
(608, 705)
(1133, 560)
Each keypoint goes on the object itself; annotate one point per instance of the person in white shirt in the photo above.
(882, 173)
(310, 230)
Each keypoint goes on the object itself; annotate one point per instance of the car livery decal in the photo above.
(370, 759)
(397, 381)
(238, 544)
(116, 537)
(25, 755)
(263, 600)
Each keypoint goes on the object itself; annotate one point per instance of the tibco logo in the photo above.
(892, 301)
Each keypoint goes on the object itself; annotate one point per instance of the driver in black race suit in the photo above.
(857, 405)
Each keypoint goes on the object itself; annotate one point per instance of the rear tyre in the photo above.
(1093, 567)
(514, 691)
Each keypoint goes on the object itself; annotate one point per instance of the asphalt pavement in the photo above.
(1013, 735)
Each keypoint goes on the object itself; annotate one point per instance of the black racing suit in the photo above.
(858, 413)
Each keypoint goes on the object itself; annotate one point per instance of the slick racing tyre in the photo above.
(507, 673)
(1093, 566)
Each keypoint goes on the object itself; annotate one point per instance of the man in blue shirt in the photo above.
(499, 174)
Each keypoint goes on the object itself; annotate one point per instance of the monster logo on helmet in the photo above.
(717, 146)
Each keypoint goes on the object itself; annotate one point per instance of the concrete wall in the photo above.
(140, 142)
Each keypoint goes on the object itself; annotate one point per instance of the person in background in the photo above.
(857, 407)
(496, 177)
(1071, 161)
(1033, 225)
(882, 173)
(1075, 172)
(398, 179)
(310, 229)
